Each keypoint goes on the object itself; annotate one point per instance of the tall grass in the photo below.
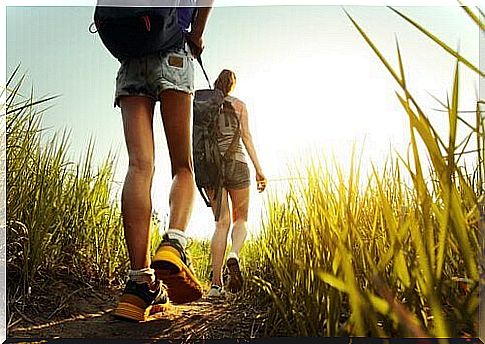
(385, 258)
(61, 219)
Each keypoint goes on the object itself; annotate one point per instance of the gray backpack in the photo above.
(209, 163)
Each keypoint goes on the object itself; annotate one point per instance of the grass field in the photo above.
(390, 254)
(395, 255)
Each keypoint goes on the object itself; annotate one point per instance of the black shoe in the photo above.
(138, 301)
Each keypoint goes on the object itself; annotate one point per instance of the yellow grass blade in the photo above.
(439, 42)
(453, 120)
(374, 48)
(473, 16)
(333, 281)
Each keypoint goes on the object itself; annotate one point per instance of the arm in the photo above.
(248, 143)
(195, 37)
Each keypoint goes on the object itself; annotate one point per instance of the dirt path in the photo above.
(89, 316)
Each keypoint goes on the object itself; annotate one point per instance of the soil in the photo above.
(87, 314)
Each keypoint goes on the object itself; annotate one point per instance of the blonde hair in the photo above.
(226, 81)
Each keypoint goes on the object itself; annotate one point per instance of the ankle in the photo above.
(145, 275)
(234, 255)
(217, 282)
(177, 234)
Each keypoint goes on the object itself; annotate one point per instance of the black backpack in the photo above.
(137, 31)
(209, 166)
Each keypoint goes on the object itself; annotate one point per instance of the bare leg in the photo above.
(240, 205)
(170, 263)
(136, 206)
(219, 238)
(176, 109)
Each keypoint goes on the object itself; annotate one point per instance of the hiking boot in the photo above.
(216, 291)
(138, 301)
(173, 267)
(235, 277)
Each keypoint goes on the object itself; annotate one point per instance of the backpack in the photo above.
(136, 31)
(209, 166)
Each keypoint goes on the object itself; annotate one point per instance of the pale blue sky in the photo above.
(307, 77)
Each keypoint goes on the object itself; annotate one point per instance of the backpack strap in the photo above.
(218, 196)
(199, 59)
(218, 186)
(232, 146)
(204, 195)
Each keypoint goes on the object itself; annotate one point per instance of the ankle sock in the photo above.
(233, 254)
(145, 275)
(178, 235)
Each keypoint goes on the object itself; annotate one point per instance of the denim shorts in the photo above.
(236, 175)
(151, 74)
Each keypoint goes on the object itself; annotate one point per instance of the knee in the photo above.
(240, 223)
(141, 166)
(240, 217)
(183, 171)
(223, 223)
(240, 213)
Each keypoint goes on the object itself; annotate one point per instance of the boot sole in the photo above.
(129, 312)
(235, 276)
(182, 285)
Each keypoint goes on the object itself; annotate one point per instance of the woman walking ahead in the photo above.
(235, 192)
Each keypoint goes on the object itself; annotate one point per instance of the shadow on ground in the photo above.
(204, 319)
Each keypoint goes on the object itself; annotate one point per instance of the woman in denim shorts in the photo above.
(140, 83)
(235, 190)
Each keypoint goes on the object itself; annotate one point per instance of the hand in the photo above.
(196, 44)
(261, 181)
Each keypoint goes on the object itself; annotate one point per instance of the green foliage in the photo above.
(395, 255)
(60, 214)
(387, 258)
(199, 251)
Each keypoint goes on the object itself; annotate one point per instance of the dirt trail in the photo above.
(89, 316)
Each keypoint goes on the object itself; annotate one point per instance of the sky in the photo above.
(310, 82)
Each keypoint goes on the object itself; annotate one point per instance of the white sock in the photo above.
(178, 235)
(145, 275)
(232, 254)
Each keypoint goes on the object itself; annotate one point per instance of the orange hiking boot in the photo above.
(138, 301)
(173, 267)
(235, 282)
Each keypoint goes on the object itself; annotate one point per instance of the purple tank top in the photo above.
(185, 17)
